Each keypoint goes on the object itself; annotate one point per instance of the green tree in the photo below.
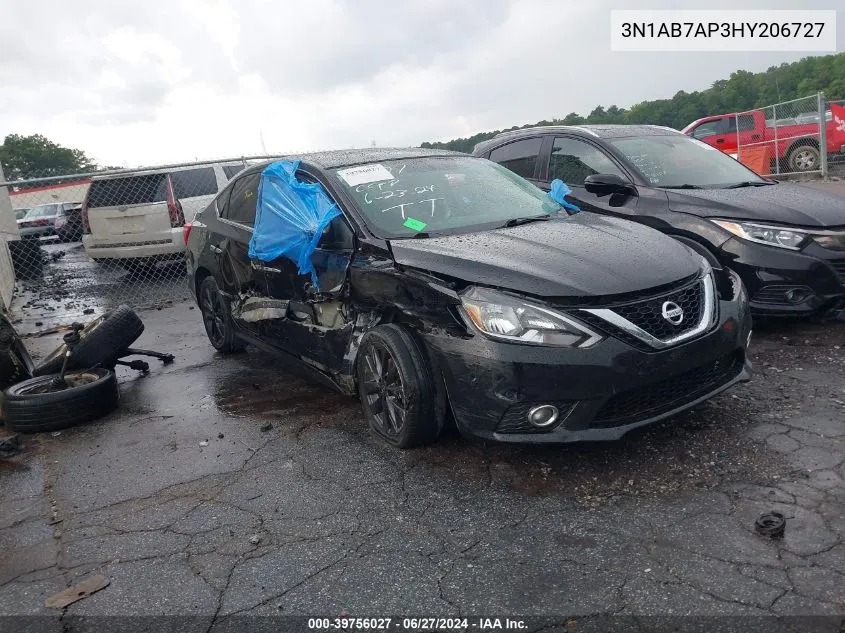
(36, 156)
(741, 91)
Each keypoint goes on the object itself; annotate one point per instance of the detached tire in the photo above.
(396, 388)
(33, 406)
(102, 342)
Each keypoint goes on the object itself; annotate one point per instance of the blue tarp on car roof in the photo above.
(290, 217)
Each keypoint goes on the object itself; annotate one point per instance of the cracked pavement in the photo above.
(317, 517)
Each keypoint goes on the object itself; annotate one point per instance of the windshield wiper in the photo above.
(518, 221)
(749, 183)
(686, 186)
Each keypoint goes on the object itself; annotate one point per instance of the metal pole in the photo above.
(777, 146)
(822, 135)
(736, 124)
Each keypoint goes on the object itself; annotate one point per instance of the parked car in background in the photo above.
(68, 224)
(443, 285)
(793, 143)
(41, 221)
(787, 242)
(137, 218)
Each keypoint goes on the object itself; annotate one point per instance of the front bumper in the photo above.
(602, 392)
(782, 282)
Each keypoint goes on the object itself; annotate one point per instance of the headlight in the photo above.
(762, 234)
(500, 316)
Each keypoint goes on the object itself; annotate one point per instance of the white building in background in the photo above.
(64, 192)
(8, 233)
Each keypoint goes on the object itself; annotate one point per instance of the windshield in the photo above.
(675, 161)
(44, 211)
(404, 198)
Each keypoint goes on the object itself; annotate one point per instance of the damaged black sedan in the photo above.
(432, 284)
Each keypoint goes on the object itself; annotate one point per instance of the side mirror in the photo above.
(608, 184)
(338, 236)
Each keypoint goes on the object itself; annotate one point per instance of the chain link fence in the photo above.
(89, 242)
(793, 137)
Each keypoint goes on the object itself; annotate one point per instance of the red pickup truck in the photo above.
(794, 142)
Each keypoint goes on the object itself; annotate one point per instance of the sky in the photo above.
(159, 82)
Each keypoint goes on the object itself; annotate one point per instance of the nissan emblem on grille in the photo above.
(672, 312)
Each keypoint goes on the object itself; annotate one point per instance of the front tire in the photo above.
(396, 388)
(217, 318)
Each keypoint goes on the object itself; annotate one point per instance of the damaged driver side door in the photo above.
(318, 322)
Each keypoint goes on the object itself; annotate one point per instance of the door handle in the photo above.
(755, 137)
(264, 269)
(720, 140)
(215, 249)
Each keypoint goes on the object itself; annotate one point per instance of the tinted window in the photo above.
(231, 170)
(194, 182)
(129, 190)
(573, 160)
(746, 122)
(711, 128)
(241, 206)
(427, 196)
(520, 157)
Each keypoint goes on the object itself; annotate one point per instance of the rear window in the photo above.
(44, 211)
(130, 190)
(189, 183)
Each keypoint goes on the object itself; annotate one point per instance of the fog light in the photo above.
(796, 295)
(543, 415)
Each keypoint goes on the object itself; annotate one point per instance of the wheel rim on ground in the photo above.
(213, 315)
(384, 391)
(72, 380)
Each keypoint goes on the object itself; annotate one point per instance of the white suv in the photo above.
(137, 218)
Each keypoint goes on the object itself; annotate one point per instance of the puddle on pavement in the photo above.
(275, 395)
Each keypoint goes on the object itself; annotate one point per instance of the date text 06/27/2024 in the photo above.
(420, 624)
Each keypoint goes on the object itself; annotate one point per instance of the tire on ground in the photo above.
(424, 420)
(27, 411)
(102, 342)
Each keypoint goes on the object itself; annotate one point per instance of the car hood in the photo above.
(584, 255)
(781, 203)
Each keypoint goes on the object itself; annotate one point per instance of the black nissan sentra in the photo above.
(438, 286)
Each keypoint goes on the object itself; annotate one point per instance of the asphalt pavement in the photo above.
(189, 508)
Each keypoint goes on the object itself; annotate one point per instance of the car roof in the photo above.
(347, 157)
(594, 131)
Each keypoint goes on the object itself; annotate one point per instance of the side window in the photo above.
(746, 122)
(189, 183)
(573, 160)
(241, 206)
(520, 156)
(231, 170)
(711, 128)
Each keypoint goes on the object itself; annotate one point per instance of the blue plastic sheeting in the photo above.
(558, 193)
(290, 217)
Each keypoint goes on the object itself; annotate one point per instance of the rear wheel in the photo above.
(217, 317)
(396, 388)
(804, 158)
(45, 404)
